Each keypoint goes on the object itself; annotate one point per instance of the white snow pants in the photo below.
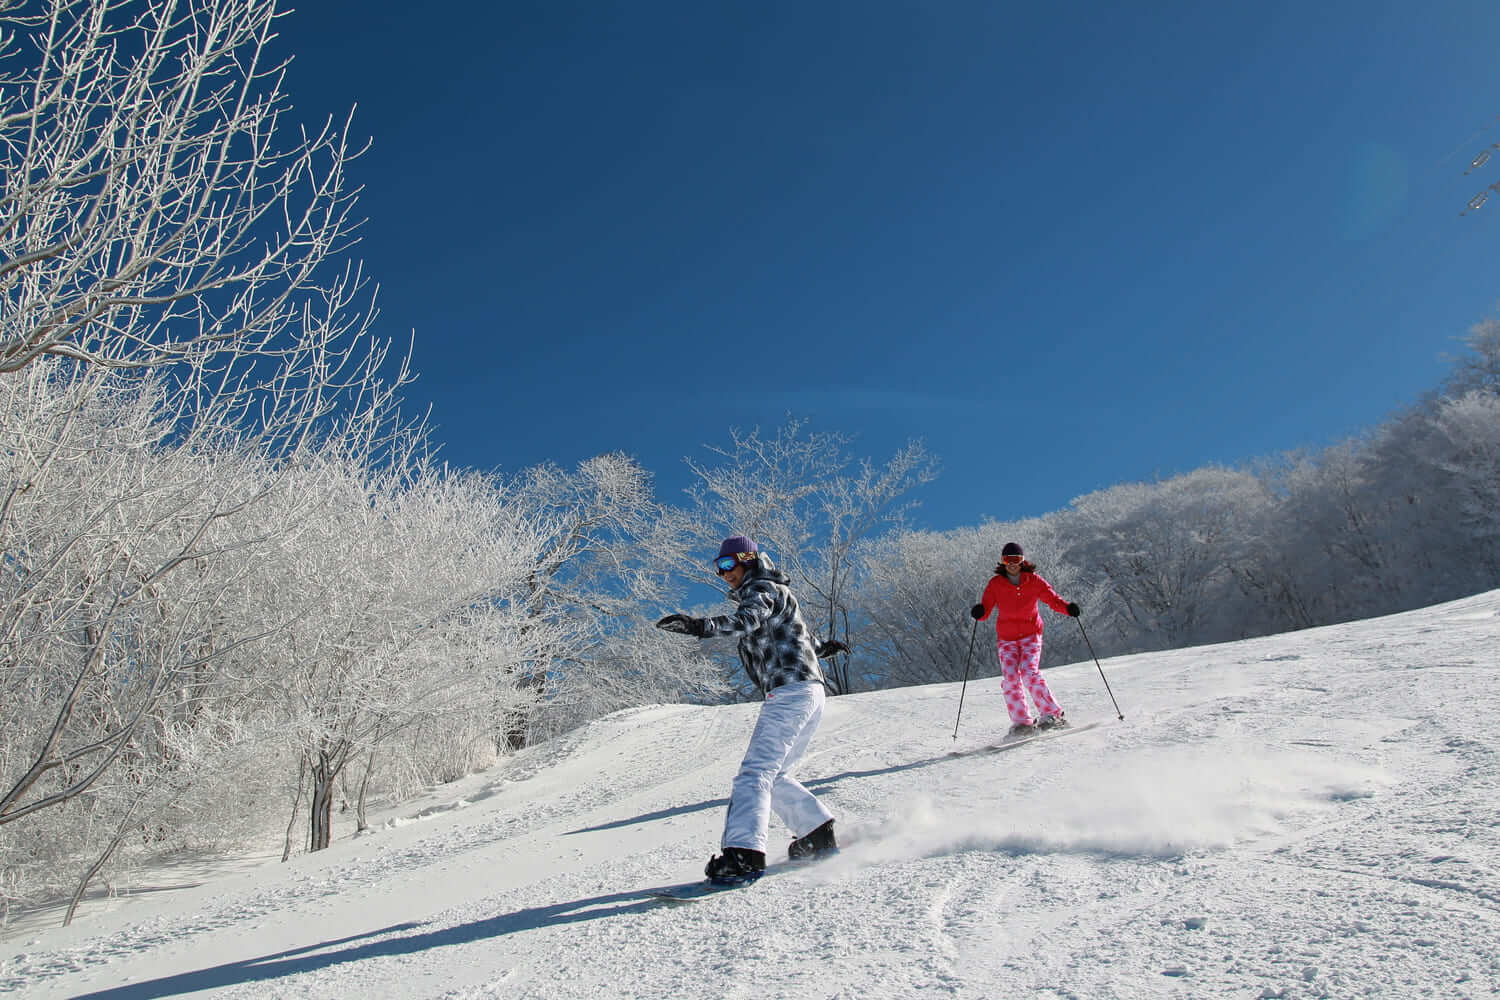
(787, 722)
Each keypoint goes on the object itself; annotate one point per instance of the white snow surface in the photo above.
(1305, 815)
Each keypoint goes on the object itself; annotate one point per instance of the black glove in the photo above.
(1072, 610)
(976, 612)
(683, 625)
(827, 649)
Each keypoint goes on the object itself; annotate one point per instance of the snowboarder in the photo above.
(778, 653)
(1012, 594)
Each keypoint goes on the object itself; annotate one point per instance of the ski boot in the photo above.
(1052, 721)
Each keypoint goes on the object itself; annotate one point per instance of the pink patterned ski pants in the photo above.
(1021, 671)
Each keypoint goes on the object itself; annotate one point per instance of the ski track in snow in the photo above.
(1306, 815)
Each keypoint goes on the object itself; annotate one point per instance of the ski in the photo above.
(1012, 742)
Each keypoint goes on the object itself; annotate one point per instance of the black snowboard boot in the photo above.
(735, 866)
(815, 844)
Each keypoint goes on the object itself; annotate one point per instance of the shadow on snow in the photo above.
(316, 957)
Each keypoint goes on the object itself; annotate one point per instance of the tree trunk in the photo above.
(102, 860)
(327, 764)
(361, 825)
(514, 731)
(286, 851)
(321, 811)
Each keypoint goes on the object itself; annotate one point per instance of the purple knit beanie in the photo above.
(736, 543)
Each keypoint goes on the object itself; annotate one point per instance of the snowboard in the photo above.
(1012, 742)
(688, 892)
(701, 889)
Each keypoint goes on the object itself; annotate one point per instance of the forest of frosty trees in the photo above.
(240, 601)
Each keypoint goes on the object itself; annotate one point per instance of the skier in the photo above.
(778, 653)
(1012, 594)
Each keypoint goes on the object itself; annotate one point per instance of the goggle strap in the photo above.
(728, 562)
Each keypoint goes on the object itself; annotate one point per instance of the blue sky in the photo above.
(1067, 245)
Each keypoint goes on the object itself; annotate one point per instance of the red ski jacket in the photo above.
(1014, 604)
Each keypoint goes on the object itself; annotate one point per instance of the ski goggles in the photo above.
(724, 564)
(1012, 560)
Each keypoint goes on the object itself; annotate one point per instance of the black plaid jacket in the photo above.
(775, 645)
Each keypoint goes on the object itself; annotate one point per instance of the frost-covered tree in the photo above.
(1478, 370)
(1468, 462)
(404, 595)
(156, 208)
(805, 498)
(612, 560)
(1282, 585)
(178, 327)
(1167, 549)
(104, 538)
(916, 591)
(123, 544)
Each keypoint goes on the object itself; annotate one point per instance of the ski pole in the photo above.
(965, 688)
(1090, 645)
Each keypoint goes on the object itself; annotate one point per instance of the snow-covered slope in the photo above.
(1308, 815)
